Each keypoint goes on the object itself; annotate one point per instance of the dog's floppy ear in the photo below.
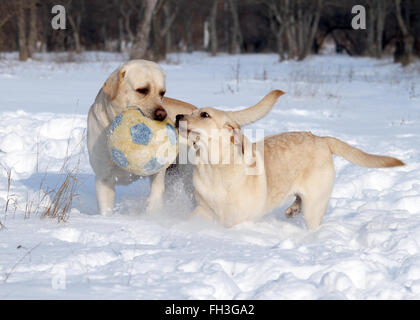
(254, 113)
(112, 84)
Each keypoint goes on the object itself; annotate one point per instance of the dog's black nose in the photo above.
(178, 118)
(160, 114)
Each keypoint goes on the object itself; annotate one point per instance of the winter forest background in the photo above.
(152, 28)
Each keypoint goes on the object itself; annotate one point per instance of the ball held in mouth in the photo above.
(141, 145)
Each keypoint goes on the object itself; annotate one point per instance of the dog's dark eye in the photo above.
(162, 93)
(143, 91)
(204, 115)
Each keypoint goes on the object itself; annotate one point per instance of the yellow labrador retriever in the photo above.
(290, 164)
(140, 83)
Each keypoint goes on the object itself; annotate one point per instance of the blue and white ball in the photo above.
(141, 145)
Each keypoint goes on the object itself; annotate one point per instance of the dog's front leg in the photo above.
(105, 194)
(157, 188)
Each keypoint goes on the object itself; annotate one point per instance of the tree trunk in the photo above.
(162, 29)
(300, 27)
(213, 28)
(168, 34)
(380, 25)
(139, 48)
(5, 19)
(21, 26)
(188, 35)
(108, 46)
(128, 29)
(279, 42)
(78, 47)
(157, 46)
(291, 34)
(370, 39)
(408, 42)
(120, 35)
(407, 39)
(126, 14)
(33, 31)
(236, 29)
(75, 20)
(311, 28)
(76, 35)
(277, 28)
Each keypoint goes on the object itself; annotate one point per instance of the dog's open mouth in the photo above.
(185, 132)
(193, 132)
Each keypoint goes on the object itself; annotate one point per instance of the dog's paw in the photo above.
(292, 211)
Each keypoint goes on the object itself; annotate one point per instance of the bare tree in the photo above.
(141, 41)
(188, 35)
(21, 27)
(297, 22)
(186, 17)
(163, 18)
(213, 28)
(75, 12)
(236, 28)
(170, 13)
(404, 48)
(7, 11)
(382, 8)
(33, 30)
(309, 27)
(158, 46)
(277, 18)
(377, 12)
(126, 9)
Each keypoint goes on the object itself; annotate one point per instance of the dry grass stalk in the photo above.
(19, 261)
(63, 194)
(62, 198)
(9, 182)
(11, 199)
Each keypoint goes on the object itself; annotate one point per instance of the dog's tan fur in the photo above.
(126, 87)
(295, 164)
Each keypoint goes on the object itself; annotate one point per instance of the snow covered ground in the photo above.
(368, 246)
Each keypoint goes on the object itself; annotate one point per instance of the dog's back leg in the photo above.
(316, 195)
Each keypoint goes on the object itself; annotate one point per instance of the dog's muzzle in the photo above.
(160, 114)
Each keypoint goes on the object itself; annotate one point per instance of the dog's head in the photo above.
(220, 131)
(211, 132)
(138, 83)
(209, 121)
(206, 122)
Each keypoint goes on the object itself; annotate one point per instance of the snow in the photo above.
(368, 246)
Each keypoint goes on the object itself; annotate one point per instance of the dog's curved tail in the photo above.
(359, 157)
